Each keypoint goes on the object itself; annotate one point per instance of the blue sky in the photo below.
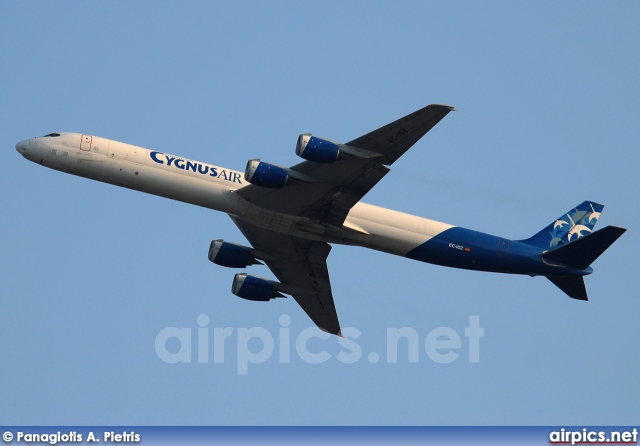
(547, 117)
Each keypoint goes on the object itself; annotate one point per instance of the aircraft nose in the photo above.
(22, 146)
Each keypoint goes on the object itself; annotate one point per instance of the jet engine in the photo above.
(317, 149)
(231, 255)
(266, 174)
(254, 288)
(321, 150)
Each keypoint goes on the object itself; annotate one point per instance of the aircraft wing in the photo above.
(339, 186)
(301, 265)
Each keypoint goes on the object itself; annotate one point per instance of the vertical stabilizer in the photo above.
(576, 223)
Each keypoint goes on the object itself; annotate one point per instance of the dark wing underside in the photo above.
(342, 184)
(327, 200)
(301, 264)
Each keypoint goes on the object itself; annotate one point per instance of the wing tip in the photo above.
(337, 333)
(450, 107)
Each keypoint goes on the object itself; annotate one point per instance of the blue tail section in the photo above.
(584, 251)
(576, 223)
(580, 254)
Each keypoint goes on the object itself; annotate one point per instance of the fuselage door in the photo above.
(503, 247)
(85, 142)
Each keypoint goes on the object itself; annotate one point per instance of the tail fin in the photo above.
(576, 223)
(579, 254)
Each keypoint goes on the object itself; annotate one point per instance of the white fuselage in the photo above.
(213, 187)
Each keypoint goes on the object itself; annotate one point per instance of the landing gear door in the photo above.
(85, 142)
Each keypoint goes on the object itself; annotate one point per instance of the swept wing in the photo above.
(301, 264)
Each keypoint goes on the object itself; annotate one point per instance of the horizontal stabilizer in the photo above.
(572, 286)
(582, 252)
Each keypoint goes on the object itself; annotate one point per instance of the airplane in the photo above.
(292, 215)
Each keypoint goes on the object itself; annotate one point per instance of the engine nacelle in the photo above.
(265, 174)
(231, 255)
(254, 288)
(317, 149)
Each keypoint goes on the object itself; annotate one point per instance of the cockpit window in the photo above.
(52, 135)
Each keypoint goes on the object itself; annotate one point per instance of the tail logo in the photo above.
(575, 224)
(578, 229)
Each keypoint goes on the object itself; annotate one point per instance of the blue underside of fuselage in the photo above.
(467, 249)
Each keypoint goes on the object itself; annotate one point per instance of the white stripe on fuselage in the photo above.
(213, 187)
